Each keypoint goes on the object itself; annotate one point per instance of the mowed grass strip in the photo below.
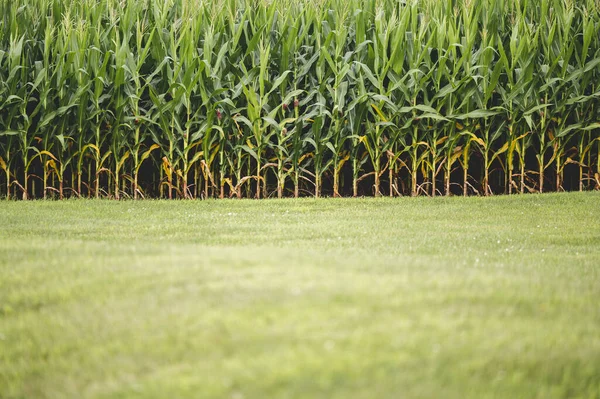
(332, 298)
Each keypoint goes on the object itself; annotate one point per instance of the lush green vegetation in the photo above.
(337, 298)
(258, 98)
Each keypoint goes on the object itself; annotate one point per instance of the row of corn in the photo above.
(256, 98)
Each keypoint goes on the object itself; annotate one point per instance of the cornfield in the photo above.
(257, 98)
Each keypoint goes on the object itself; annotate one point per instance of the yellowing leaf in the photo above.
(442, 140)
(342, 162)
(381, 115)
(122, 160)
(44, 152)
(308, 155)
(479, 141)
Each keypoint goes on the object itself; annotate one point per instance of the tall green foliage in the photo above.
(248, 98)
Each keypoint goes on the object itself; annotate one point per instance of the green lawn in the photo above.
(350, 298)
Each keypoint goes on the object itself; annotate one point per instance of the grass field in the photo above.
(375, 298)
